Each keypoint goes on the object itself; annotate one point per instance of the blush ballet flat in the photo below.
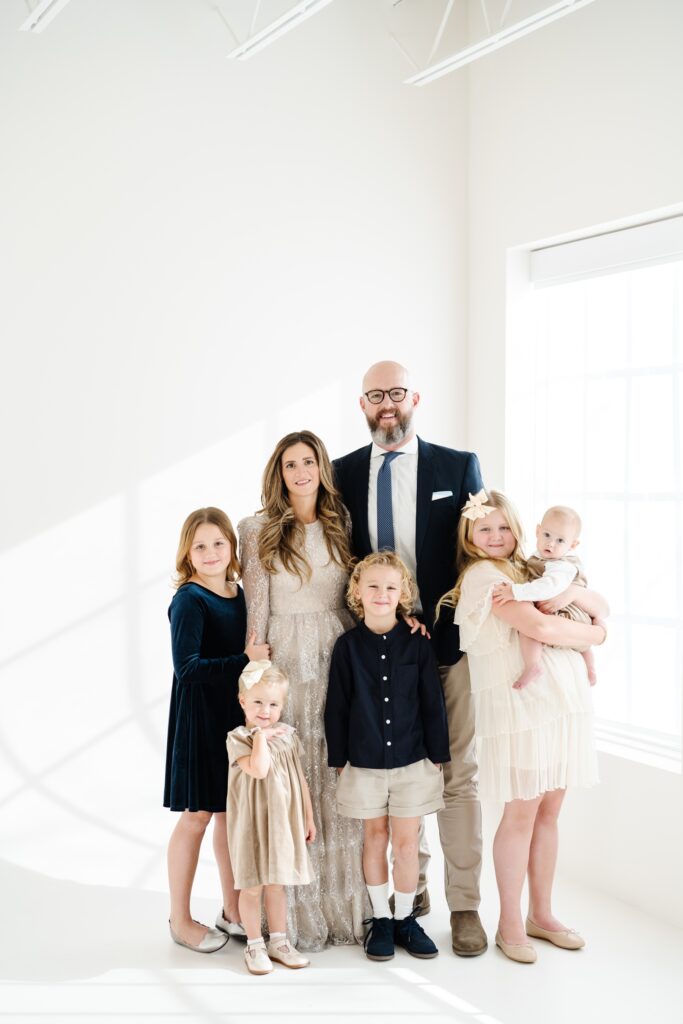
(565, 940)
(522, 954)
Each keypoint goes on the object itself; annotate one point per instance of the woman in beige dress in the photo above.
(295, 560)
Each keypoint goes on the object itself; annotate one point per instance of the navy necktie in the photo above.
(385, 518)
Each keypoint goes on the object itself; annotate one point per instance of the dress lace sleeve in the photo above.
(474, 608)
(255, 579)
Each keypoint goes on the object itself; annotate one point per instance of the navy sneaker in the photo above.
(379, 941)
(411, 936)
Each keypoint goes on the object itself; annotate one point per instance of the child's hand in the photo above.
(256, 652)
(502, 593)
(415, 624)
(272, 731)
(310, 830)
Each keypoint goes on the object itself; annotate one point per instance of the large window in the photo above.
(596, 405)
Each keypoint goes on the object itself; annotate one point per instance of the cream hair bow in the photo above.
(253, 672)
(475, 507)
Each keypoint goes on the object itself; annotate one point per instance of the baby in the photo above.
(552, 568)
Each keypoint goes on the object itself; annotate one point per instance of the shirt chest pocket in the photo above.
(405, 679)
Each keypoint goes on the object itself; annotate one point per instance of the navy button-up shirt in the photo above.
(385, 706)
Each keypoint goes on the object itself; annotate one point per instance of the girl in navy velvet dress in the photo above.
(208, 628)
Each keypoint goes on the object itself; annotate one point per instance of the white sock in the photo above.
(379, 897)
(276, 936)
(403, 904)
(255, 942)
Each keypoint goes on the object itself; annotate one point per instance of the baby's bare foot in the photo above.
(527, 676)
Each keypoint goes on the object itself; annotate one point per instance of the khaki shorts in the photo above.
(406, 792)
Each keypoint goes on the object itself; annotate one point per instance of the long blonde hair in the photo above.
(282, 536)
(183, 565)
(468, 554)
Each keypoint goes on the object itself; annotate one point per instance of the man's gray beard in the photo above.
(391, 435)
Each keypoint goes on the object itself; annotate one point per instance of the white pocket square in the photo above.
(441, 494)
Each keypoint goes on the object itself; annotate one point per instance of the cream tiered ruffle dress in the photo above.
(532, 740)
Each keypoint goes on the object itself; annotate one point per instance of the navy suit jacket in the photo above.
(436, 522)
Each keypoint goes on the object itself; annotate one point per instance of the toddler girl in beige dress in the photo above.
(269, 817)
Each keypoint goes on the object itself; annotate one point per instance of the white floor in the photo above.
(72, 952)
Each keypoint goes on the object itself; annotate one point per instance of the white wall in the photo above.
(197, 256)
(574, 126)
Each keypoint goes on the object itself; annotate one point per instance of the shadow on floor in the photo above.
(56, 930)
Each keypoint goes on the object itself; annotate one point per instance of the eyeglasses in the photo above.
(395, 394)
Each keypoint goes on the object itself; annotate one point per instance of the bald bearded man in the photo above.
(414, 507)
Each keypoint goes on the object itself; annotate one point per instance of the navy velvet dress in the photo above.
(207, 640)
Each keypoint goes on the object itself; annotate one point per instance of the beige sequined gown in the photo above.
(301, 622)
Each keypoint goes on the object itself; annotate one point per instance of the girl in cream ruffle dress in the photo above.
(532, 740)
(531, 743)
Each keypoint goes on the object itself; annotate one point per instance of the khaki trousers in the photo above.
(460, 819)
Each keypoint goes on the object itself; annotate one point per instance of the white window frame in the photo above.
(627, 245)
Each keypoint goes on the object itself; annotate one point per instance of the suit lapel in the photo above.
(359, 515)
(425, 487)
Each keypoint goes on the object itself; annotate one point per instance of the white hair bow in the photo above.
(475, 507)
(253, 672)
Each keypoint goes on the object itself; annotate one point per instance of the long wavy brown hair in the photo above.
(282, 536)
(468, 554)
(215, 516)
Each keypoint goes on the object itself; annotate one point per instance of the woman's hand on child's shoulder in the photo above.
(256, 652)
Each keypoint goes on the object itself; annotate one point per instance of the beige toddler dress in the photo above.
(266, 817)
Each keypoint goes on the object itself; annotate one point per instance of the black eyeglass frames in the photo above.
(395, 394)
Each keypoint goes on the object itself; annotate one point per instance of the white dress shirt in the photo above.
(403, 501)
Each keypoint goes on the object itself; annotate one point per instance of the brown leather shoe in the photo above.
(421, 904)
(469, 937)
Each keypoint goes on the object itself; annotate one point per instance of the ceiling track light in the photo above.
(42, 14)
(277, 28)
(497, 41)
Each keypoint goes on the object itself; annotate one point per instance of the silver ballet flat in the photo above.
(212, 941)
(234, 928)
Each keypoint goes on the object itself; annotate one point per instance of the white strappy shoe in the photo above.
(257, 959)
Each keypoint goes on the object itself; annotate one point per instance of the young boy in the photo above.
(554, 569)
(385, 723)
